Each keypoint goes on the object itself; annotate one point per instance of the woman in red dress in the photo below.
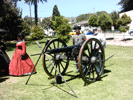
(21, 64)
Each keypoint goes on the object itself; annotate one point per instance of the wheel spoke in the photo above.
(49, 65)
(87, 71)
(96, 70)
(93, 72)
(98, 66)
(54, 45)
(96, 52)
(64, 61)
(90, 75)
(89, 52)
(52, 69)
(91, 46)
(95, 45)
(62, 46)
(62, 65)
(50, 47)
(87, 55)
(59, 67)
(55, 70)
(58, 44)
(50, 55)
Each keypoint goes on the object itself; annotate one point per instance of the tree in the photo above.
(10, 19)
(114, 16)
(26, 29)
(123, 23)
(82, 17)
(105, 21)
(62, 28)
(93, 20)
(35, 7)
(47, 23)
(126, 5)
(55, 13)
(99, 13)
(28, 21)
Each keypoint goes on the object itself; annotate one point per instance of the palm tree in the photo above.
(35, 7)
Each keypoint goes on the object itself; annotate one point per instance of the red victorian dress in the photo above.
(19, 66)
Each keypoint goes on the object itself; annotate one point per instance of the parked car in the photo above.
(89, 33)
(131, 33)
(72, 33)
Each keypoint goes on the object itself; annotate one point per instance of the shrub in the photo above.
(62, 28)
(37, 33)
(25, 29)
(123, 23)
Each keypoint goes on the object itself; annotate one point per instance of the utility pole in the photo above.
(94, 9)
(30, 15)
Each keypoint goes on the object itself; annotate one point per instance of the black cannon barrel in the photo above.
(63, 49)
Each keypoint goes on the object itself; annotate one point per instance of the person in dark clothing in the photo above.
(78, 39)
(4, 59)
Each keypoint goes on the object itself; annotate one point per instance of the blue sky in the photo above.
(70, 8)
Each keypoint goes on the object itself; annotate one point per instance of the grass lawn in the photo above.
(115, 84)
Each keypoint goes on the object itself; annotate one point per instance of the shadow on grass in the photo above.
(104, 74)
(72, 77)
(64, 90)
(107, 71)
(40, 85)
(3, 79)
(109, 38)
(128, 39)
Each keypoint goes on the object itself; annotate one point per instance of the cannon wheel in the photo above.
(60, 64)
(92, 68)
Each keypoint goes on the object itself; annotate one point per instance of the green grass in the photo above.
(115, 84)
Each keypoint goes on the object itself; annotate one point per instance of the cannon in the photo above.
(90, 56)
(56, 56)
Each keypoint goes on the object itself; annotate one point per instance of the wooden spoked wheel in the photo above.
(91, 60)
(60, 64)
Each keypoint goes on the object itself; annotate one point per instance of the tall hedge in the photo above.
(37, 33)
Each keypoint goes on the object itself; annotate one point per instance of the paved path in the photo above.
(119, 42)
(117, 39)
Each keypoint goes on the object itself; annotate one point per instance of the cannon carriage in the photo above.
(89, 55)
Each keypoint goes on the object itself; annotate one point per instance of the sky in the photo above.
(69, 8)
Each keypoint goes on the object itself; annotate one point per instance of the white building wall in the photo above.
(129, 13)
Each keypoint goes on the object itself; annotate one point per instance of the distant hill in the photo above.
(82, 17)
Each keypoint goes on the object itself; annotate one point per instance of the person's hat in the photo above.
(21, 36)
(77, 27)
(94, 30)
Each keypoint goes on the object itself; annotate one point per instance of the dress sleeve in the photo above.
(23, 48)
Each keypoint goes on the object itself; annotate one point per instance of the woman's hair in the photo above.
(21, 36)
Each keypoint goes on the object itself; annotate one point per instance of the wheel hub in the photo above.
(93, 59)
(57, 59)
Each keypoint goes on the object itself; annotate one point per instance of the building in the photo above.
(129, 13)
(41, 19)
(85, 27)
